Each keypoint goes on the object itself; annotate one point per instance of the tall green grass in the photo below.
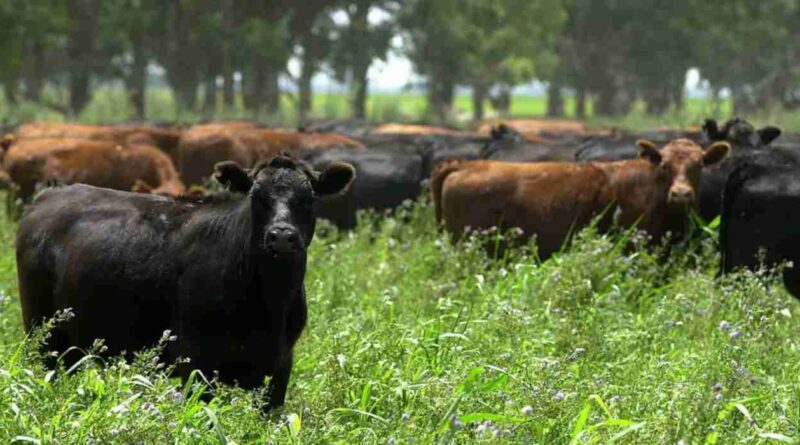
(411, 339)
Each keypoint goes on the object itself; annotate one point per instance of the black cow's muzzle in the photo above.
(282, 238)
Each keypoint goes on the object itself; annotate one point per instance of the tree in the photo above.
(502, 43)
(359, 43)
(310, 27)
(128, 31)
(434, 41)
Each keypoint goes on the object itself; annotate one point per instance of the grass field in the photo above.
(111, 105)
(413, 340)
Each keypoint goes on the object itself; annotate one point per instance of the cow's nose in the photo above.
(283, 239)
(681, 195)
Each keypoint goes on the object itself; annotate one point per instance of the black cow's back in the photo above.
(761, 220)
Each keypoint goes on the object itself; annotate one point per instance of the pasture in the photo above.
(109, 104)
(411, 339)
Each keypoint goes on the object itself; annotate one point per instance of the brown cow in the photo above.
(203, 146)
(29, 162)
(165, 139)
(422, 130)
(552, 200)
(5, 144)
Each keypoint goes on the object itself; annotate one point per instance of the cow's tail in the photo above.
(733, 185)
(439, 175)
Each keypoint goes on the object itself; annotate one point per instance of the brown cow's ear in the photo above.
(649, 151)
(6, 142)
(232, 176)
(716, 152)
(141, 187)
(335, 178)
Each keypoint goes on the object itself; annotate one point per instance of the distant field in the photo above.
(110, 105)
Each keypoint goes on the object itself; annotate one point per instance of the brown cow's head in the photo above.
(679, 163)
(5, 145)
(282, 192)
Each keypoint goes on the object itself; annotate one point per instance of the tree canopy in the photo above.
(613, 52)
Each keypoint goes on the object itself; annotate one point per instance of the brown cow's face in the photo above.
(680, 163)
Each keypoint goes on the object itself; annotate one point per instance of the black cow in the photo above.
(224, 273)
(508, 145)
(760, 221)
(621, 145)
(385, 179)
(749, 146)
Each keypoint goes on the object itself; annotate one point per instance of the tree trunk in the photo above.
(306, 75)
(272, 92)
(253, 84)
(137, 84)
(605, 98)
(226, 54)
(210, 97)
(479, 91)
(80, 51)
(358, 103)
(555, 100)
(186, 92)
(34, 70)
(580, 102)
(10, 87)
(716, 103)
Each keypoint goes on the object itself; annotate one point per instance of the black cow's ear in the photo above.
(649, 151)
(711, 129)
(334, 179)
(768, 134)
(716, 152)
(232, 176)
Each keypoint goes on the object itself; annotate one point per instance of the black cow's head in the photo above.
(282, 192)
(503, 138)
(740, 133)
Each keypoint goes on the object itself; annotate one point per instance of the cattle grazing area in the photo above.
(519, 281)
(412, 339)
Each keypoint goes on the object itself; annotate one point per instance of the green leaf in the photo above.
(581, 423)
(776, 436)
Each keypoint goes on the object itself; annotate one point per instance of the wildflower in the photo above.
(405, 417)
(484, 426)
(176, 396)
(576, 353)
(456, 422)
(724, 326)
(717, 387)
(527, 410)
(559, 396)
(718, 396)
(736, 334)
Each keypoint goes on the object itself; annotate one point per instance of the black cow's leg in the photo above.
(276, 392)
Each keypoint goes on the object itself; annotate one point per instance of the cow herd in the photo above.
(137, 246)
